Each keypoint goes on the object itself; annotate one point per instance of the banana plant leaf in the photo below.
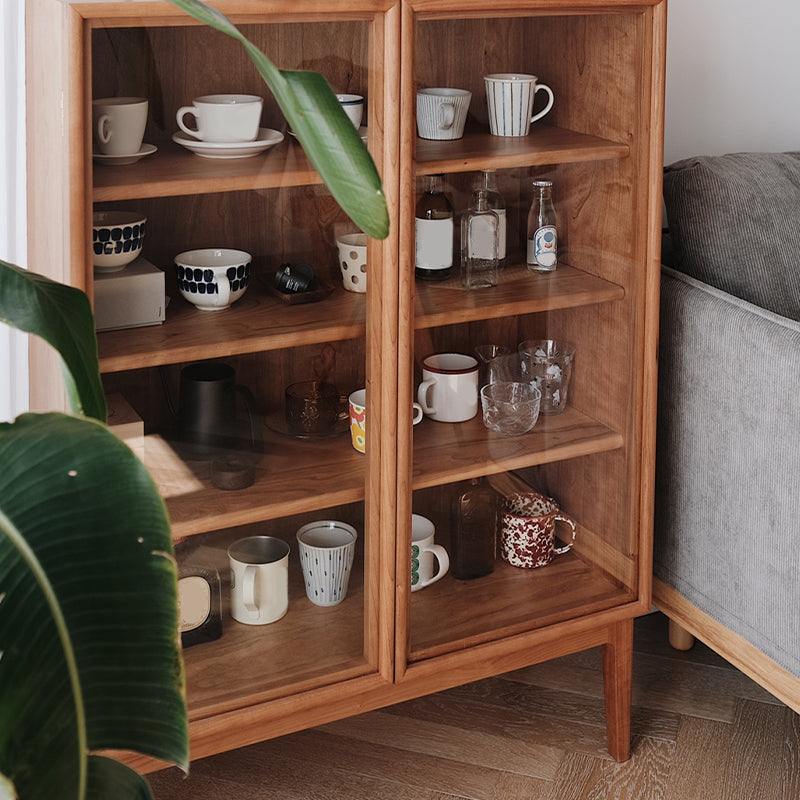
(62, 315)
(88, 614)
(329, 139)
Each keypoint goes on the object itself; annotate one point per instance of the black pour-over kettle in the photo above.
(207, 413)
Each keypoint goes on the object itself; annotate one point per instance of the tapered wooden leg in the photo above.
(679, 637)
(617, 677)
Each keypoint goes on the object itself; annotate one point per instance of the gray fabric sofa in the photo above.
(727, 517)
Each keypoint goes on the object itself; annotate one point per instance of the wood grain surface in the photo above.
(701, 731)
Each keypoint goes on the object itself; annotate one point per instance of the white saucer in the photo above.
(362, 132)
(119, 161)
(266, 138)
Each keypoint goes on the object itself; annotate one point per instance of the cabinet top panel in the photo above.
(161, 12)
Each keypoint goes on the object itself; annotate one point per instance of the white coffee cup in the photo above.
(259, 579)
(509, 97)
(449, 388)
(442, 112)
(118, 124)
(223, 117)
(353, 105)
(423, 554)
(326, 549)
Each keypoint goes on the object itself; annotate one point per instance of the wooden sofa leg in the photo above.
(679, 637)
(617, 679)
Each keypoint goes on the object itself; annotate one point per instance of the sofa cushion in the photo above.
(734, 222)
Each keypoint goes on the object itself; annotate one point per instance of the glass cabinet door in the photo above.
(278, 311)
(539, 527)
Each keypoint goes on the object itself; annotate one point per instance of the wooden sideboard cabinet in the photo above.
(601, 145)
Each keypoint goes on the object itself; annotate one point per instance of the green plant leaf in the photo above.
(329, 139)
(62, 316)
(88, 608)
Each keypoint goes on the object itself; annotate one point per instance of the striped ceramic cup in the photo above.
(509, 97)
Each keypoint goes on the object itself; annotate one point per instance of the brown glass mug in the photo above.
(313, 408)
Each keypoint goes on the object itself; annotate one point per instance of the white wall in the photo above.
(733, 83)
(733, 77)
(13, 345)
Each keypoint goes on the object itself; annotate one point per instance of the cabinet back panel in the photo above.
(170, 65)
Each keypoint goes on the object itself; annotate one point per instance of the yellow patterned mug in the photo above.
(357, 403)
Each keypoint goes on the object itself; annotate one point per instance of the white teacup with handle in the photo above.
(225, 118)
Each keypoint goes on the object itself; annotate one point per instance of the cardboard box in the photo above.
(125, 423)
(131, 298)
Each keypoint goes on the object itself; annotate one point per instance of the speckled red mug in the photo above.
(528, 527)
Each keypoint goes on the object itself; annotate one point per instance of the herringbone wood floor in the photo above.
(701, 731)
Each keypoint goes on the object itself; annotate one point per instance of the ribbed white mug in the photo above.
(509, 97)
(442, 112)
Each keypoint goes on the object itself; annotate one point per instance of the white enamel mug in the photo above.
(449, 388)
(259, 579)
(509, 97)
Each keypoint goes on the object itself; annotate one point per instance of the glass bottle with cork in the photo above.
(542, 249)
(433, 229)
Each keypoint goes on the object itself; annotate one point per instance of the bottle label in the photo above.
(434, 243)
(542, 249)
(501, 233)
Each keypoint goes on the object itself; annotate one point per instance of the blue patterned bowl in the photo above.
(117, 238)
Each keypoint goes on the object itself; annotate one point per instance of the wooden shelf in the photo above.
(453, 615)
(519, 291)
(310, 646)
(260, 322)
(292, 476)
(257, 322)
(545, 144)
(445, 452)
(296, 475)
(174, 171)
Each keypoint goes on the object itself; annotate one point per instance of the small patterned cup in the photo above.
(527, 530)
(327, 549)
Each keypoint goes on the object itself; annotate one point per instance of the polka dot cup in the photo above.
(212, 279)
(353, 261)
(117, 238)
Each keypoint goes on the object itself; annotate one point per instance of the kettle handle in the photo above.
(256, 439)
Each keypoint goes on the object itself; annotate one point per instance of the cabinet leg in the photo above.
(617, 677)
(679, 637)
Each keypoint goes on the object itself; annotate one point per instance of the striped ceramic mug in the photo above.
(509, 97)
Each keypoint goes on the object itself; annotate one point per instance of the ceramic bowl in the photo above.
(353, 261)
(117, 238)
(213, 278)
